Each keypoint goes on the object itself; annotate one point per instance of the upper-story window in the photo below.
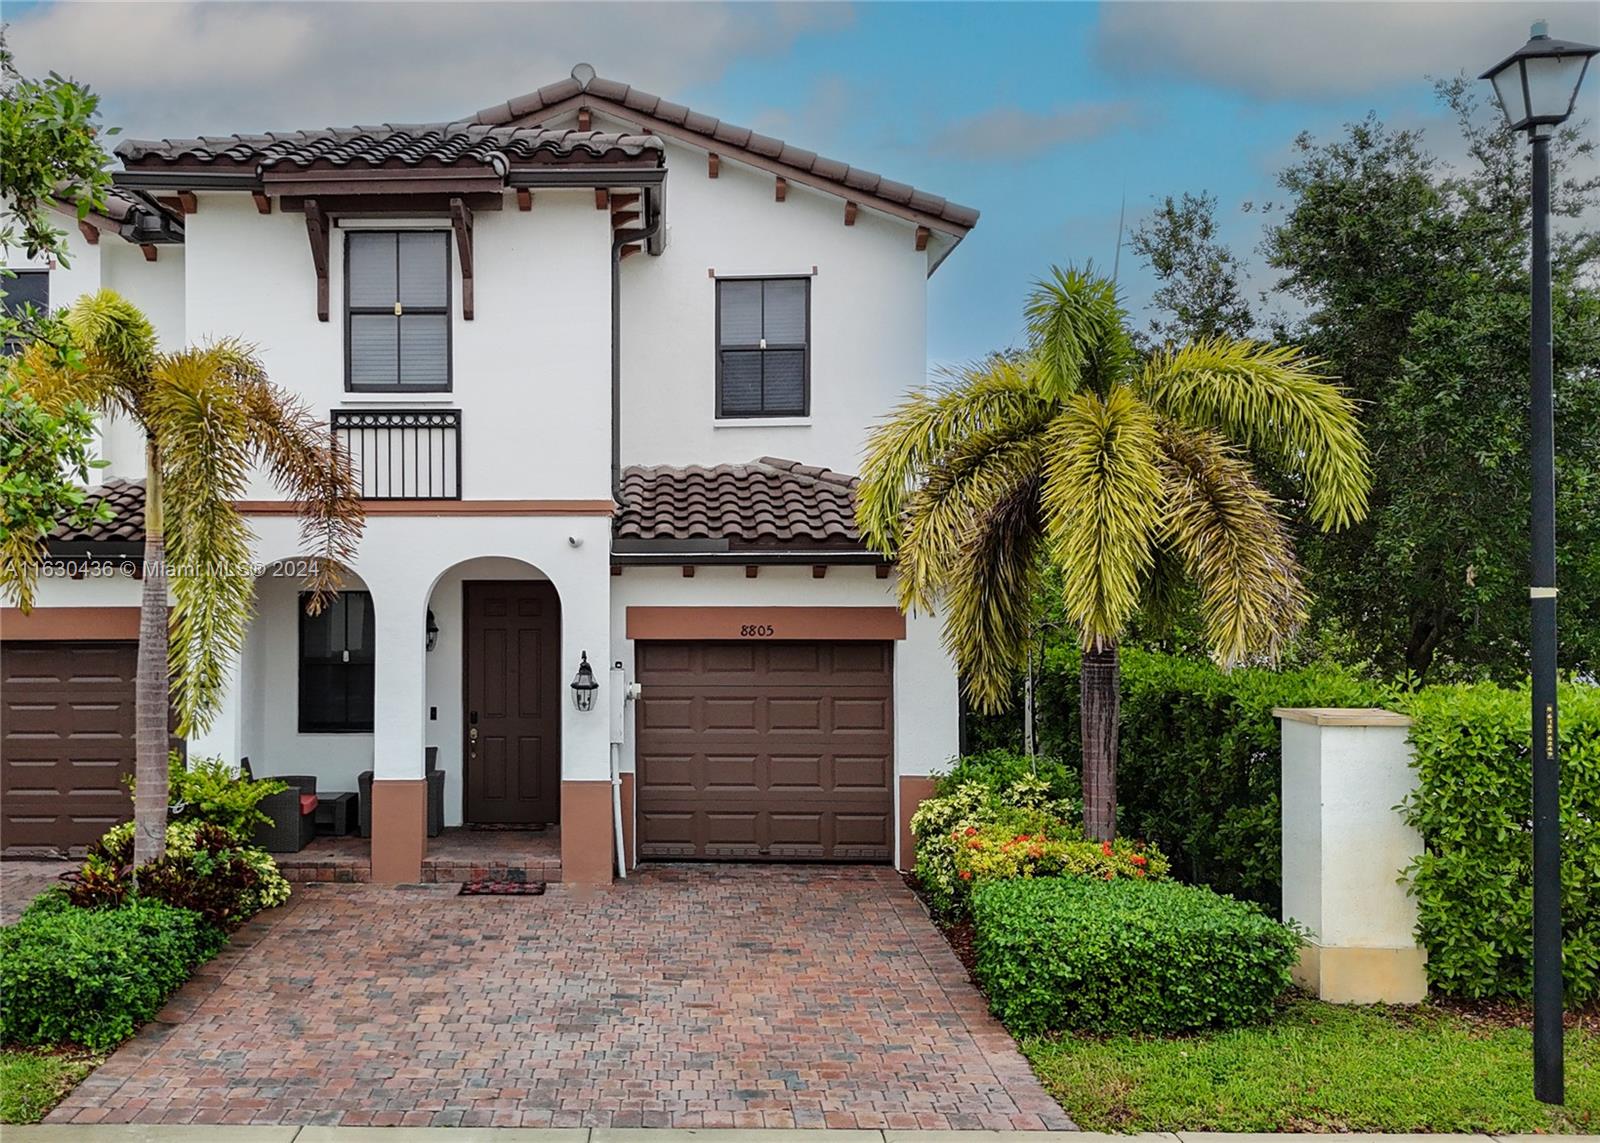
(763, 347)
(397, 301)
(26, 288)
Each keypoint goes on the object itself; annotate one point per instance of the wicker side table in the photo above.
(334, 813)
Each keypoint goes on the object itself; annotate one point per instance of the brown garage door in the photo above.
(765, 751)
(67, 742)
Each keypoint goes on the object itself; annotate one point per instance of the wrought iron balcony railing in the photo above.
(403, 454)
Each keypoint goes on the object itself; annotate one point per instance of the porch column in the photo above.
(399, 790)
(927, 721)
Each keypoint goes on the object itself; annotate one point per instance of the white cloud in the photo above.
(1324, 49)
(1017, 132)
(187, 68)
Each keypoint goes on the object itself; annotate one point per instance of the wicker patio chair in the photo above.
(293, 825)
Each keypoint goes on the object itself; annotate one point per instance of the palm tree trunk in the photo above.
(152, 705)
(1100, 697)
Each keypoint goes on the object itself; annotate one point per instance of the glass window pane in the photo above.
(425, 350)
(359, 682)
(357, 606)
(741, 312)
(741, 382)
(374, 351)
(783, 386)
(371, 267)
(322, 696)
(28, 288)
(785, 311)
(423, 281)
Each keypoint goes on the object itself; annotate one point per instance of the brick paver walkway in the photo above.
(22, 881)
(687, 996)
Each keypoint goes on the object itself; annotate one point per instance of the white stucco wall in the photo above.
(868, 318)
(531, 372)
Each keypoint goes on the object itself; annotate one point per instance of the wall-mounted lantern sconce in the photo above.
(433, 631)
(583, 685)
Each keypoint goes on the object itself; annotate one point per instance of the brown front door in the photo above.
(513, 709)
(766, 751)
(67, 741)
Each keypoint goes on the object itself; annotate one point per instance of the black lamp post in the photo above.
(1537, 86)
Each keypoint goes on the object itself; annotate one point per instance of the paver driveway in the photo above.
(687, 996)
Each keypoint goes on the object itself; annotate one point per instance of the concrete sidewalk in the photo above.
(163, 1133)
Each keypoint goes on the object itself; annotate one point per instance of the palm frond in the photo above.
(1164, 594)
(992, 588)
(905, 445)
(203, 446)
(1275, 400)
(1101, 498)
(972, 477)
(300, 454)
(1233, 544)
(1078, 332)
(116, 348)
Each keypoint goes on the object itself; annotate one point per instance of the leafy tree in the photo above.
(1199, 293)
(48, 151)
(1413, 280)
(44, 465)
(1122, 473)
(209, 414)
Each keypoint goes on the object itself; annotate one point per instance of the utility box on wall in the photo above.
(1344, 849)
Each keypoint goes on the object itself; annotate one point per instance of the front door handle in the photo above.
(472, 742)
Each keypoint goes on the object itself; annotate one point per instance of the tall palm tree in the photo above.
(209, 414)
(1127, 474)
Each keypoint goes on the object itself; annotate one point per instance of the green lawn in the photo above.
(1320, 1067)
(31, 1083)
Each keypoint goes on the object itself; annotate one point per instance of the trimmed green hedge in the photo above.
(1474, 809)
(91, 976)
(1125, 956)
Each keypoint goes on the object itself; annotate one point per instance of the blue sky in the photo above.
(1044, 116)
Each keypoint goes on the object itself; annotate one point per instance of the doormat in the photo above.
(496, 827)
(501, 889)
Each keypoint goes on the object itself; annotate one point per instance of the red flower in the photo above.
(966, 875)
(971, 830)
(975, 843)
(1139, 859)
(1105, 848)
(1111, 875)
(1138, 873)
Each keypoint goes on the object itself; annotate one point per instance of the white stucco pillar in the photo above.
(1344, 848)
(399, 790)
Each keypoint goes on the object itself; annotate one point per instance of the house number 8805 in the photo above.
(755, 631)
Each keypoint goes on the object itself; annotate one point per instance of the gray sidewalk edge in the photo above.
(210, 1133)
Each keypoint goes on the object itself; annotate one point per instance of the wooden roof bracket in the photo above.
(317, 234)
(461, 223)
(90, 232)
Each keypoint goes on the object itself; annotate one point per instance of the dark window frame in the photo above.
(447, 310)
(718, 348)
(302, 725)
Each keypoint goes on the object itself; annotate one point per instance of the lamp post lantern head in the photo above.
(584, 685)
(1537, 84)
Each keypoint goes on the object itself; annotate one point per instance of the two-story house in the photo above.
(564, 341)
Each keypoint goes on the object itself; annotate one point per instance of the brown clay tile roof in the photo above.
(392, 145)
(715, 131)
(126, 498)
(768, 501)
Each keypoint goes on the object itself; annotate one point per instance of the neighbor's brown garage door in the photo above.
(67, 742)
(765, 751)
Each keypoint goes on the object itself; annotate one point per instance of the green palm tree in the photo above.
(1127, 474)
(209, 415)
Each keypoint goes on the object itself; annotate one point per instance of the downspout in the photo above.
(619, 240)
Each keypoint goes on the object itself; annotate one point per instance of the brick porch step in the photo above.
(455, 855)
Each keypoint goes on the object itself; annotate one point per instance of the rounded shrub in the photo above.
(1082, 954)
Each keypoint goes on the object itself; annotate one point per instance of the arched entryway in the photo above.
(494, 692)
